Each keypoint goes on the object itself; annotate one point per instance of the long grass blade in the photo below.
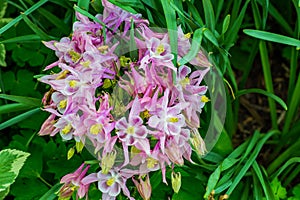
(27, 12)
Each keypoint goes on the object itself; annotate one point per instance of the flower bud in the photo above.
(144, 187)
(176, 181)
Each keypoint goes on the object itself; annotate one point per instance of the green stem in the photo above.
(44, 181)
(268, 81)
(293, 107)
(294, 149)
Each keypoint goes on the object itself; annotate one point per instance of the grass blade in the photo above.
(272, 37)
(19, 118)
(35, 28)
(22, 39)
(260, 91)
(27, 12)
(20, 99)
(288, 163)
(170, 16)
(250, 161)
(13, 107)
(209, 14)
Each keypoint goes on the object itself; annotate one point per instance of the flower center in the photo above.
(86, 64)
(95, 129)
(74, 55)
(130, 130)
(110, 181)
(185, 82)
(151, 162)
(66, 129)
(204, 99)
(188, 35)
(173, 119)
(159, 49)
(73, 83)
(62, 104)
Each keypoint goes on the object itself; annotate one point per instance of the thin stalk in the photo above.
(268, 81)
(293, 107)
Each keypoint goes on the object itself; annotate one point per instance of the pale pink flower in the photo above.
(73, 182)
(143, 186)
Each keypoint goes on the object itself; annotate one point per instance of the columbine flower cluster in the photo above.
(158, 127)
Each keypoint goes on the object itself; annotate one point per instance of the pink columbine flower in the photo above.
(168, 119)
(110, 184)
(133, 130)
(73, 182)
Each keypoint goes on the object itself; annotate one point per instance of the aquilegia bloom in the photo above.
(130, 112)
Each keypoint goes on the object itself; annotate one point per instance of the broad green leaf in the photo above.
(195, 47)
(273, 37)
(260, 91)
(279, 191)
(11, 162)
(2, 55)
(4, 193)
(27, 12)
(84, 4)
(20, 99)
(3, 6)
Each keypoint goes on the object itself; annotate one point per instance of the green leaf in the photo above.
(35, 28)
(260, 91)
(13, 107)
(19, 118)
(4, 193)
(27, 12)
(3, 6)
(212, 181)
(273, 37)
(23, 100)
(226, 23)
(84, 4)
(11, 162)
(22, 39)
(2, 55)
(170, 16)
(210, 19)
(51, 194)
(279, 191)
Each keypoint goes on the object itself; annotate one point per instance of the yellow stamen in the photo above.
(130, 130)
(185, 82)
(108, 161)
(110, 181)
(145, 114)
(74, 55)
(159, 49)
(62, 75)
(86, 63)
(73, 83)
(66, 129)
(173, 119)
(62, 104)
(151, 162)
(188, 35)
(204, 99)
(96, 128)
(103, 48)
